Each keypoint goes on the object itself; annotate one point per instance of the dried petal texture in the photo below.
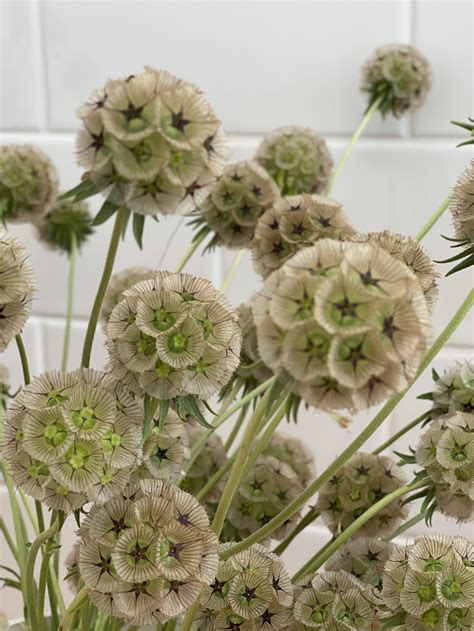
(147, 557)
(17, 287)
(151, 141)
(345, 323)
(446, 453)
(362, 482)
(73, 437)
(293, 223)
(174, 335)
(461, 206)
(241, 195)
(398, 76)
(28, 183)
(297, 159)
(454, 389)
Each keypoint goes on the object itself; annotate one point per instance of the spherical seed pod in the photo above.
(297, 159)
(64, 221)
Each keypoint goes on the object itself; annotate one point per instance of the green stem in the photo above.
(366, 433)
(104, 281)
(31, 601)
(193, 247)
(433, 219)
(23, 359)
(308, 519)
(406, 526)
(233, 268)
(70, 301)
(237, 470)
(199, 444)
(43, 579)
(402, 432)
(8, 538)
(352, 142)
(214, 479)
(323, 555)
(71, 610)
(235, 430)
(29, 511)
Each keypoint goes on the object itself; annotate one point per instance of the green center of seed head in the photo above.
(458, 453)
(305, 308)
(19, 436)
(162, 370)
(110, 441)
(433, 565)
(84, 419)
(142, 152)
(55, 434)
(163, 319)
(178, 343)
(431, 617)
(55, 397)
(319, 614)
(208, 327)
(77, 456)
(345, 616)
(106, 477)
(451, 589)
(38, 470)
(455, 616)
(146, 345)
(355, 495)
(426, 593)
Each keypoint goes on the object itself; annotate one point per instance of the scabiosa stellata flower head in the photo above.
(72, 437)
(346, 322)
(398, 77)
(446, 453)
(429, 584)
(453, 390)
(241, 195)
(65, 220)
(28, 183)
(335, 600)
(297, 159)
(252, 590)
(293, 451)
(362, 482)
(175, 335)
(151, 141)
(294, 223)
(146, 559)
(461, 208)
(17, 286)
(410, 252)
(118, 284)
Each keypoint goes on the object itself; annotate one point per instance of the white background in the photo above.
(262, 65)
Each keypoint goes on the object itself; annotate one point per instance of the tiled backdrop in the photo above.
(262, 65)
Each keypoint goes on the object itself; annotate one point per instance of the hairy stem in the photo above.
(23, 358)
(433, 219)
(401, 432)
(357, 443)
(323, 555)
(352, 142)
(70, 301)
(104, 281)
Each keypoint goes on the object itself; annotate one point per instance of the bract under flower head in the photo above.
(17, 286)
(151, 141)
(65, 220)
(147, 559)
(297, 159)
(250, 591)
(294, 223)
(175, 335)
(241, 195)
(28, 183)
(398, 76)
(446, 452)
(73, 437)
(345, 322)
(362, 482)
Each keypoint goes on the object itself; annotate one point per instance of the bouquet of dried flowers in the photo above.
(175, 527)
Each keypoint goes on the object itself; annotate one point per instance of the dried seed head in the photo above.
(65, 220)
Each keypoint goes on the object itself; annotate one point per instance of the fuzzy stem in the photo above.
(323, 555)
(199, 444)
(308, 519)
(235, 430)
(433, 219)
(237, 470)
(71, 610)
(233, 268)
(104, 281)
(23, 359)
(30, 572)
(352, 142)
(357, 443)
(400, 433)
(193, 247)
(70, 301)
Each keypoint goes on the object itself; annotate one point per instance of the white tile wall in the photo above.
(262, 64)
